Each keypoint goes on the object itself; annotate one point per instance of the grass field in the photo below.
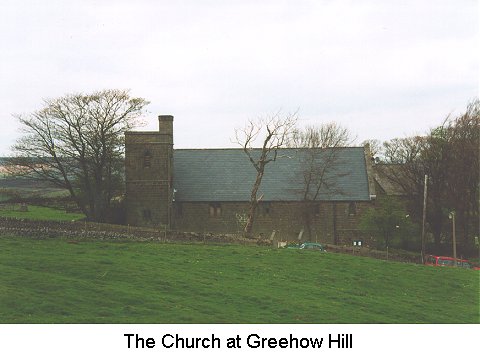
(41, 213)
(55, 281)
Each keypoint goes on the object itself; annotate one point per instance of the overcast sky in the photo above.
(383, 69)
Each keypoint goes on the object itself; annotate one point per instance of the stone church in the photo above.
(208, 190)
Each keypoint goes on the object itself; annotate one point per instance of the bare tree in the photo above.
(76, 143)
(407, 162)
(273, 133)
(376, 150)
(318, 152)
(449, 155)
(463, 171)
(328, 135)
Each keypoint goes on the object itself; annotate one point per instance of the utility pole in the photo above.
(478, 246)
(424, 217)
(452, 216)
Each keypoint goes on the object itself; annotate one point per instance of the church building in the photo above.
(208, 190)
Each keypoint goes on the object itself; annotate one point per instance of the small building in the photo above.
(208, 190)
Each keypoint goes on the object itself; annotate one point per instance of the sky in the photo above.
(383, 69)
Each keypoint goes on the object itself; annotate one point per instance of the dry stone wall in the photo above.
(77, 230)
(86, 231)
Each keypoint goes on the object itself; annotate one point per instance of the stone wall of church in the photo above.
(148, 175)
(331, 222)
(149, 200)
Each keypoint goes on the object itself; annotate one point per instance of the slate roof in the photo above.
(212, 175)
(384, 175)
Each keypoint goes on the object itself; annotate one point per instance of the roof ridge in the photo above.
(287, 148)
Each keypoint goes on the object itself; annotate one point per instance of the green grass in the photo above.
(41, 213)
(54, 281)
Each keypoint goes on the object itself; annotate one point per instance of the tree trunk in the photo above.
(253, 204)
(307, 219)
(335, 235)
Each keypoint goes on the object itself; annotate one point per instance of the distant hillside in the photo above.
(16, 189)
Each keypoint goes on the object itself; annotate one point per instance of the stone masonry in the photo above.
(148, 175)
(203, 203)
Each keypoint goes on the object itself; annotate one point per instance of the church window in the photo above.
(147, 159)
(316, 210)
(352, 209)
(267, 211)
(215, 210)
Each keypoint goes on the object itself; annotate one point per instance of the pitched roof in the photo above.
(385, 175)
(227, 175)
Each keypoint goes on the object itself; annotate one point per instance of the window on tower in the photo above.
(147, 159)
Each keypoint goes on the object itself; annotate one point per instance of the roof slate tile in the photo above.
(227, 175)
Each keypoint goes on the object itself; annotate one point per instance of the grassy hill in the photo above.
(60, 281)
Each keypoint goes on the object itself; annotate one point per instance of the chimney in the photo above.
(165, 123)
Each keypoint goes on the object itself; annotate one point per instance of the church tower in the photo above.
(149, 174)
